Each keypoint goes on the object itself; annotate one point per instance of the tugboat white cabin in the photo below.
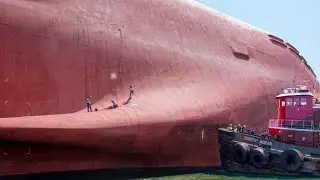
(298, 118)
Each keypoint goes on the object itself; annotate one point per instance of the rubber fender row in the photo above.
(291, 160)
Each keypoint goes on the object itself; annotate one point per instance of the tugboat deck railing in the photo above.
(297, 125)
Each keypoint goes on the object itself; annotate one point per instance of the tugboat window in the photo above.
(303, 101)
(296, 101)
(283, 103)
(289, 101)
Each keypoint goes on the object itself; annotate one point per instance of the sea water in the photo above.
(228, 176)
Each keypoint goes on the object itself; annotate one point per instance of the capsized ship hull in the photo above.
(115, 150)
(192, 68)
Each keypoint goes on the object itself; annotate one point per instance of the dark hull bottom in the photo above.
(170, 149)
(140, 173)
(132, 173)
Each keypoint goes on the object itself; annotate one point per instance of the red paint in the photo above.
(177, 54)
(274, 132)
(281, 108)
(299, 112)
(298, 118)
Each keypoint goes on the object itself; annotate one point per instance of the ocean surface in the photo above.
(229, 176)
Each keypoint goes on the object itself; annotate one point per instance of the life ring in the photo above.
(291, 160)
(259, 157)
(240, 152)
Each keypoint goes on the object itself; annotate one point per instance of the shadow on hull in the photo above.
(179, 145)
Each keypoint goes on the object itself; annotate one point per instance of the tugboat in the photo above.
(290, 146)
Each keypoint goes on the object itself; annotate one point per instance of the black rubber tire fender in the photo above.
(240, 152)
(259, 157)
(291, 160)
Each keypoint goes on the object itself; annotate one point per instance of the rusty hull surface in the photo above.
(192, 69)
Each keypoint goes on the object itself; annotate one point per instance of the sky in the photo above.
(295, 21)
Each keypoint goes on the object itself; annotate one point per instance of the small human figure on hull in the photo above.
(89, 105)
(131, 93)
(114, 104)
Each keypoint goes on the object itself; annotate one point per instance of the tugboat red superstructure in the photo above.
(298, 118)
(291, 146)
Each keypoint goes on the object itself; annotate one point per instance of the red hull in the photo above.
(183, 149)
(188, 64)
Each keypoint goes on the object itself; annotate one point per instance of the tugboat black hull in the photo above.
(245, 153)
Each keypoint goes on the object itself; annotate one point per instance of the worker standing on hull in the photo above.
(131, 92)
(89, 106)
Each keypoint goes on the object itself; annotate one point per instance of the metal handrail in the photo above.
(289, 123)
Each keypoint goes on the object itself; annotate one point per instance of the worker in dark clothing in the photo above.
(131, 91)
(239, 128)
(114, 104)
(252, 132)
(243, 128)
(89, 106)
